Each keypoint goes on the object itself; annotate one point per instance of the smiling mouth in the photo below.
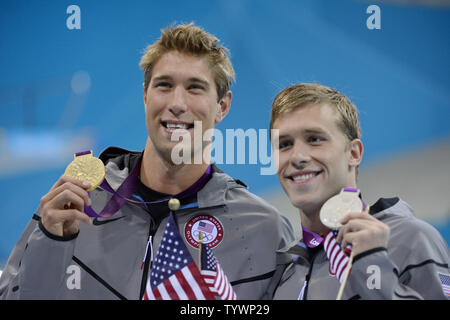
(305, 176)
(173, 125)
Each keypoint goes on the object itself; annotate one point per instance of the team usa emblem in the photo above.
(210, 227)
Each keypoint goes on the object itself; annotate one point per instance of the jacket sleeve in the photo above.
(410, 269)
(36, 268)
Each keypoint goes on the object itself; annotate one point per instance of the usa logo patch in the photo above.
(210, 227)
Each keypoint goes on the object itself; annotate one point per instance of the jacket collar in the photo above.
(212, 194)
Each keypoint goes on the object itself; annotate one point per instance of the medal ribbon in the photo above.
(129, 186)
(311, 239)
(356, 190)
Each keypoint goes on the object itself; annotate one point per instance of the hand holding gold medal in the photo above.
(62, 208)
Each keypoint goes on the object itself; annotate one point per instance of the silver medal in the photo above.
(335, 208)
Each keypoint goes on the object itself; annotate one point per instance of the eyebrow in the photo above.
(161, 78)
(306, 131)
(315, 130)
(198, 80)
(191, 80)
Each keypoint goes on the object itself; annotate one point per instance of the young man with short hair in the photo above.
(187, 79)
(396, 255)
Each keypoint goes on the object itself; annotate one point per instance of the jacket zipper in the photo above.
(149, 243)
(308, 276)
(148, 259)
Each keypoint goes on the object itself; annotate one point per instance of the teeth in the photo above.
(303, 177)
(176, 126)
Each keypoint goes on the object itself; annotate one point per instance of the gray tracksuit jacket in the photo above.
(413, 266)
(104, 260)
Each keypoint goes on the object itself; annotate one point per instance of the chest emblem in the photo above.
(210, 227)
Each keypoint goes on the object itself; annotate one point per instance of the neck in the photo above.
(164, 176)
(311, 221)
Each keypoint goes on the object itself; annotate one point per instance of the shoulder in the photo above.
(238, 195)
(238, 199)
(118, 164)
(234, 192)
(121, 158)
(411, 239)
(400, 217)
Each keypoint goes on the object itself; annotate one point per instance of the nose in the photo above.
(177, 103)
(300, 156)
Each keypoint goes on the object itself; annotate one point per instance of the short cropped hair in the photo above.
(190, 39)
(302, 94)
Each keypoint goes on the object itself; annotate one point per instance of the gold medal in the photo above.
(88, 168)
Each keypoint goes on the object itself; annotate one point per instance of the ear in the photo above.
(144, 93)
(223, 107)
(356, 150)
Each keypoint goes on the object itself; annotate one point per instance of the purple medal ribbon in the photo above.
(311, 239)
(82, 153)
(129, 186)
(355, 190)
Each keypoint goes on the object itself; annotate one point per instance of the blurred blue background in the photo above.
(63, 91)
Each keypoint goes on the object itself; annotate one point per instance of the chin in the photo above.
(307, 204)
(164, 153)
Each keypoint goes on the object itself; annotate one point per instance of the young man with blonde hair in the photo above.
(187, 80)
(396, 255)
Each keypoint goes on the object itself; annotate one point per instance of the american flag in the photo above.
(214, 276)
(203, 226)
(337, 257)
(445, 282)
(174, 275)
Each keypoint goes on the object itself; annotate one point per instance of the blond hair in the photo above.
(299, 95)
(190, 39)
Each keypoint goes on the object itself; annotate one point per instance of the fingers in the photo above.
(363, 232)
(68, 199)
(356, 215)
(351, 238)
(64, 205)
(57, 216)
(355, 221)
(66, 179)
(351, 226)
(67, 184)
